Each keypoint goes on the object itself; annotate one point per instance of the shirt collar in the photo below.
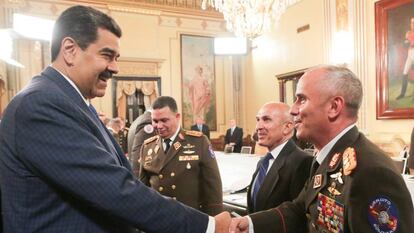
(321, 155)
(275, 152)
(176, 133)
(73, 85)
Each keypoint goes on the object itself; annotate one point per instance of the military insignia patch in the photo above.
(331, 214)
(149, 151)
(194, 133)
(317, 181)
(151, 139)
(338, 176)
(383, 215)
(211, 151)
(188, 146)
(349, 160)
(148, 129)
(334, 161)
(332, 190)
(177, 145)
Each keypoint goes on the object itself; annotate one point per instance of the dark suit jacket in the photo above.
(57, 173)
(410, 162)
(374, 187)
(187, 172)
(237, 138)
(285, 178)
(205, 130)
(138, 139)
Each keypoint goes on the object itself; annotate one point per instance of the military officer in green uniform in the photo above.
(353, 186)
(180, 164)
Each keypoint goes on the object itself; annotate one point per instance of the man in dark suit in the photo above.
(282, 173)
(200, 126)
(60, 169)
(180, 164)
(234, 136)
(142, 126)
(353, 186)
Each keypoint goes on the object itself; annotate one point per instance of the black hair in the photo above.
(165, 101)
(81, 23)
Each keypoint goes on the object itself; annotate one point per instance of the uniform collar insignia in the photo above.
(334, 161)
(177, 145)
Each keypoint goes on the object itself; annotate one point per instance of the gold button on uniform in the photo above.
(173, 187)
(160, 189)
(172, 174)
(160, 176)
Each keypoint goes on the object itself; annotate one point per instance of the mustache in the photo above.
(106, 74)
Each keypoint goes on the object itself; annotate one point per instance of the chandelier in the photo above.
(249, 18)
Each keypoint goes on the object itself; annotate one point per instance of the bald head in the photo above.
(327, 101)
(274, 124)
(338, 81)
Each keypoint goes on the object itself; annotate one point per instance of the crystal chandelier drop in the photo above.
(249, 18)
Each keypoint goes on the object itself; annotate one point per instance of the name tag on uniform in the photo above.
(188, 157)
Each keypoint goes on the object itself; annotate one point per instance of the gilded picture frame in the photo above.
(394, 34)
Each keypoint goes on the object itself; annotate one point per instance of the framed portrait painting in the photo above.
(198, 81)
(394, 34)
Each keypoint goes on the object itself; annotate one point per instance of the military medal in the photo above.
(334, 161)
(177, 145)
(333, 191)
(149, 151)
(349, 160)
(156, 148)
(317, 182)
(188, 152)
(330, 214)
(188, 166)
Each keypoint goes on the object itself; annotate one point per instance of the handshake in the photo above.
(226, 224)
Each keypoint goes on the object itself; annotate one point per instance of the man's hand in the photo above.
(222, 222)
(239, 225)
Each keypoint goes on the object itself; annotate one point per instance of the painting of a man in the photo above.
(400, 56)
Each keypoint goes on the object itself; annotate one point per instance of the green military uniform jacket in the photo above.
(356, 189)
(187, 173)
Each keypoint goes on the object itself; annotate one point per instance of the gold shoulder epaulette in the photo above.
(151, 139)
(194, 133)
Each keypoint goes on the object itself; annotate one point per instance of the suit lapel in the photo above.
(347, 139)
(68, 90)
(272, 177)
(176, 146)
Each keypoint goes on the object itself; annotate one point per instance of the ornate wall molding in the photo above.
(139, 67)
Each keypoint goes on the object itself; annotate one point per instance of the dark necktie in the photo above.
(167, 144)
(108, 141)
(261, 176)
